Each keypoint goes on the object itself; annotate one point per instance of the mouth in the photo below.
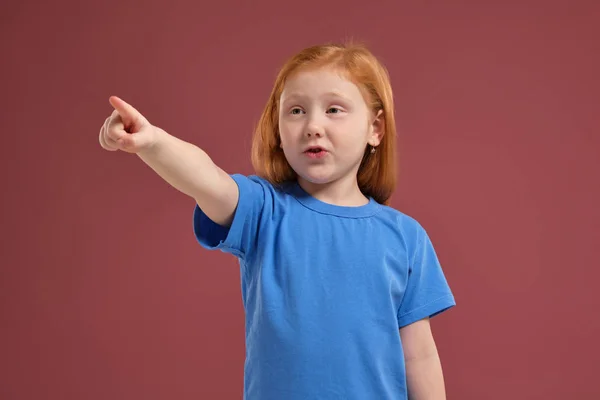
(315, 149)
(315, 152)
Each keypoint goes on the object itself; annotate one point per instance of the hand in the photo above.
(126, 129)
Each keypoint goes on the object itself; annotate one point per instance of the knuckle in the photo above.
(113, 134)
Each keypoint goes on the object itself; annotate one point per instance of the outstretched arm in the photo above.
(184, 166)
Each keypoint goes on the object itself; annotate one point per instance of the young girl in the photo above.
(338, 287)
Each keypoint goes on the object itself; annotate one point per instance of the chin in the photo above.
(318, 174)
(315, 180)
(317, 177)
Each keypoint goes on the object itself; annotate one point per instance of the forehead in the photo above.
(319, 83)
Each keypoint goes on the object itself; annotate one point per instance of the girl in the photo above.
(338, 287)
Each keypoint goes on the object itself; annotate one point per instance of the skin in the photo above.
(321, 108)
(425, 379)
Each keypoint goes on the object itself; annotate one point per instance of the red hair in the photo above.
(377, 172)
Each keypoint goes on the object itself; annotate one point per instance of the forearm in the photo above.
(425, 378)
(183, 165)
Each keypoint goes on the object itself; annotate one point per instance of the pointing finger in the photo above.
(124, 109)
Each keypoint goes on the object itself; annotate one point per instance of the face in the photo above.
(325, 125)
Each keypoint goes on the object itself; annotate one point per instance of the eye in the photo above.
(295, 111)
(334, 110)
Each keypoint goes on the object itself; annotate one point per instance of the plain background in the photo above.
(104, 292)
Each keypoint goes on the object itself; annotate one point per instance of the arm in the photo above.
(183, 165)
(424, 375)
(191, 171)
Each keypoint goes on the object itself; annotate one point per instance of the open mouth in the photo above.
(315, 152)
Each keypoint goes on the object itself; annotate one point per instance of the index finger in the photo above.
(124, 109)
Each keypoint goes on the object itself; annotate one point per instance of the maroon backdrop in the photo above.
(104, 292)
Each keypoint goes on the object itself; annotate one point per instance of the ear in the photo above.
(377, 129)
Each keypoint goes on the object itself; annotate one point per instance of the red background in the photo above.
(104, 292)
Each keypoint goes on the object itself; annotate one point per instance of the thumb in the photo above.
(131, 117)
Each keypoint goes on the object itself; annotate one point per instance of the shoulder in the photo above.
(242, 179)
(254, 183)
(402, 222)
(404, 229)
(265, 196)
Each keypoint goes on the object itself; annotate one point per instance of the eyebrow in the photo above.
(333, 93)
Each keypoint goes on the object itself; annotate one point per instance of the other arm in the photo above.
(424, 375)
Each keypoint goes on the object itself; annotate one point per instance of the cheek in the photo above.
(351, 134)
(288, 131)
(283, 133)
(282, 130)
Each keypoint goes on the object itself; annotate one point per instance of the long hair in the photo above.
(377, 173)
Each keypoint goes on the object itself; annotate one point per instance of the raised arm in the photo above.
(184, 166)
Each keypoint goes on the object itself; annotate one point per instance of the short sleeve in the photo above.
(238, 239)
(427, 292)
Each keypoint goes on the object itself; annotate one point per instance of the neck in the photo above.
(342, 192)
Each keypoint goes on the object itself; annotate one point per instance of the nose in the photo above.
(314, 130)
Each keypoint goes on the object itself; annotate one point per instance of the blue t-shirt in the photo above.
(325, 290)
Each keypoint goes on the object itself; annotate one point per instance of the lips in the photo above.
(314, 149)
(315, 152)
